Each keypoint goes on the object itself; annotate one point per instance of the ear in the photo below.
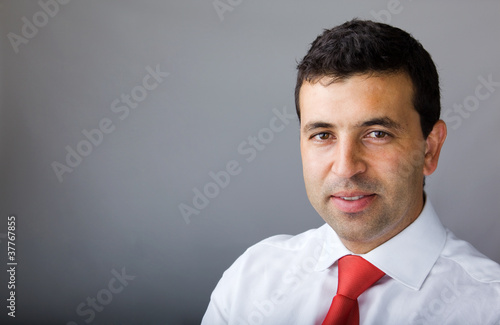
(434, 143)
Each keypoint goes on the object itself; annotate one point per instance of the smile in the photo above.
(352, 198)
(352, 202)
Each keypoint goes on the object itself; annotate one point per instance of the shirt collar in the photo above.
(408, 257)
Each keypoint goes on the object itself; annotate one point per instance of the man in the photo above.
(368, 101)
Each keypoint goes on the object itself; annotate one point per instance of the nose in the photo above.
(348, 159)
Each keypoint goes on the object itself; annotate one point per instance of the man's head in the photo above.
(365, 145)
(363, 47)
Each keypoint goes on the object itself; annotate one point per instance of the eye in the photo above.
(322, 136)
(377, 135)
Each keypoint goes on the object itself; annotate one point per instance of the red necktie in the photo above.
(355, 276)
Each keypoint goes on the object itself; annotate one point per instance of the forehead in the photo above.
(358, 98)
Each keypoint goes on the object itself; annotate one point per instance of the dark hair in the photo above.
(363, 46)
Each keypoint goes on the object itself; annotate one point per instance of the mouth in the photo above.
(352, 198)
(352, 202)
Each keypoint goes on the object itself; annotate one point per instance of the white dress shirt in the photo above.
(431, 278)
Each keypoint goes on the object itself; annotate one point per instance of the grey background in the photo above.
(119, 208)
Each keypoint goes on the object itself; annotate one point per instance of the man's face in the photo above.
(363, 156)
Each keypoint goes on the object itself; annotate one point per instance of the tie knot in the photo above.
(356, 275)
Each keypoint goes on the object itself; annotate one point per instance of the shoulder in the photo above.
(259, 273)
(464, 256)
(289, 242)
(280, 247)
(270, 255)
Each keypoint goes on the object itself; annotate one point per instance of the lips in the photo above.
(352, 202)
(352, 198)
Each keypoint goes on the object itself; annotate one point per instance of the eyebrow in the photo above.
(317, 125)
(382, 121)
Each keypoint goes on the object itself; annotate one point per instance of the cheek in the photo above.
(414, 161)
(383, 161)
(314, 167)
(404, 164)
